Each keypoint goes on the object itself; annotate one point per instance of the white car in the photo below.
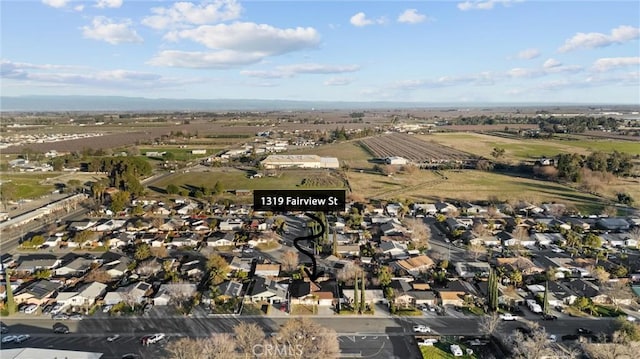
(552, 338)
(8, 338)
(31, 309)
(155, 338)
(456, 350)
(508, 317)
(427, 342)
(421, 329)
(21, 338)
(113, 338)
(106, 308)
(631, 319)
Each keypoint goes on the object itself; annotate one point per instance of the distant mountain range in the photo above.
(138, 104)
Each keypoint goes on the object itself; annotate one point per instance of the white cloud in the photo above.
(56, 3)
(205, 60)
(287, 71)
(360, 19)
(411, 16)
(483, 5)
(105, 29)
(83, 76)
(592, 40)
(108, 4)
(187, 13)
(551, 63)
(338, 81)
(78, 7)
(528, 54)
(519, 72)
(250, 37)
(609, 63)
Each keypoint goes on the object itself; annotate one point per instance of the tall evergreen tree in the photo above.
(363, 303)
(545, 298)
(334, 246)
(493, 290)
(355, 296)
(11, 304)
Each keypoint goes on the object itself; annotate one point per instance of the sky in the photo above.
(487, 51)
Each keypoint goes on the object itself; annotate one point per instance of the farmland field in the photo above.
(233, 179)
(30, 185)
(528, 149)
(181, 154)
(412, 148)
(350, 153)
(469, 185)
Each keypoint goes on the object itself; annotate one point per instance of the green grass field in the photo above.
(469, 185)
(232, 179)
(441, 350)
(347, 152)
(528, 149)
(30, 185)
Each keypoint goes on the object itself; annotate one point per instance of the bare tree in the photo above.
(348, 272)
(184, 348)
(476, 250)
(289, 260)
(309, 340)
(247, 336)
(490, 324)
(219, 346)
(601, 275)
(534, 346)
(479, 229)
(420, 232)
(180, 293)
(616, 291)
(521, 233)
(148, 267)
(98, 275)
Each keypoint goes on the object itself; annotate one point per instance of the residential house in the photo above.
(174, 292)
(221, 239)
(134, 293)
(393, 209)
(522, 264)
(184, 239)
(186, 208)
(32, 263)
(84, 296)
(400, 288)
(414, 265)
(472, 269)
(546, 239)
(267, 270)
(425, 208)
(303, 292)
(613, 224)
(82, 225)
(230, 289)
(394, 249)
(193, 269)
(588, 289)
(577, 222)
(444, 207)
(348, 250)
(379, 219)
(392, 228)
(264, 289)
(76, 268)
(371, 296)
(110, 225)
(240, 264)
(37, 292)
(455, 292)
(231, 224)
(117, 267)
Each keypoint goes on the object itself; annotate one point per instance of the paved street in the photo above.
(371, 337)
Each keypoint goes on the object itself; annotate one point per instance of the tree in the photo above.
(545, 299)
(82, 237)
(8, 192)
(617, 290)
(10, 301)
(184, 348)
(420, 232)
(516, 277)
(592, 240)
(218, 269)
(120, 201)
(247, 336)
(218, 188)
(74, 185)
(498, 152)
(363, 303)
(172, 189)
(476, 250)
(289, 260)
(384, 276)
(348, 272)
(356, 306)
(42, 274)
(98, 275)
(490, 324)
(601, 274)
(493, 290)
(309, 339)
(534, 346)
(97, 189)
(143, 251)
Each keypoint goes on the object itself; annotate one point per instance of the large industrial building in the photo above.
(299, 161)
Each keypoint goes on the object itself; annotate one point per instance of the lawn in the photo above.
(30, 185)
(469, 185)
(441, 350)
(232, 179)
(302, 309)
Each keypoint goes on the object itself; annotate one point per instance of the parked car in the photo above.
(552, 338)
(508, 317)
(421, 329)
(76, 316)
(130, 356)
(31, 309)
(584, 331)
(22, 338)
(147, 308)
(106, 308)
(3, 328)
(113, 338)
(60, 329)
(549, 317)
(456, 350)
(8, 338)
(60, 316)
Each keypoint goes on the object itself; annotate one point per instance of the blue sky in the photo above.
(427, 51)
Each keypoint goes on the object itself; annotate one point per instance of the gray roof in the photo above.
(41, 289)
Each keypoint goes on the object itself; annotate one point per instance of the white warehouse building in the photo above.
(300, 161)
